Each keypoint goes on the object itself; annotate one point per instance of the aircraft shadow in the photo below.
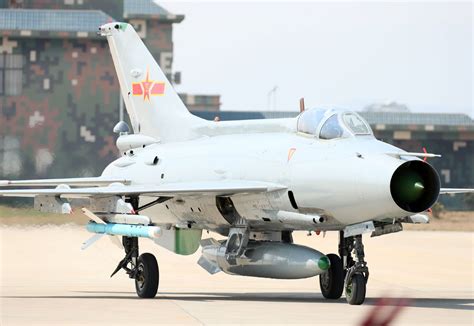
(437, 303)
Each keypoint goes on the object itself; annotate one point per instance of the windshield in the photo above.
(355, 124)
(309, 120)
(332, 123)
(331, 128)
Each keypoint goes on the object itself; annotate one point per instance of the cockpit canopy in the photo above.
(332, 123)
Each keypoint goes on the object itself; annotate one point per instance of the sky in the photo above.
(334, 54)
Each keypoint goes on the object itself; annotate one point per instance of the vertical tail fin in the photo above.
(154, 107)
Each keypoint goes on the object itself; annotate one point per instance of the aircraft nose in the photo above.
(415, 186)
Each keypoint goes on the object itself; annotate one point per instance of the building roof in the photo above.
(25, 22)
(403, 118)
(389, 120)
(71, 23)
(143, 7)
(148, 9)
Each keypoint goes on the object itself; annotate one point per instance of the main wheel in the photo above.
(332, 282)
(148, 276)
(355, 290)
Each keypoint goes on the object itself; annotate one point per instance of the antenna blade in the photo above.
(302, 104)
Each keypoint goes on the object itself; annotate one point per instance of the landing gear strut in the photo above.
(346, 273)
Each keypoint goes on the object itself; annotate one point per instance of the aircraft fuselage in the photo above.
(345, 180)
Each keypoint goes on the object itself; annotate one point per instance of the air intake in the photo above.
(415, 186)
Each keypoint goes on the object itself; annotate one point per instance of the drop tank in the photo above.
(265, 259)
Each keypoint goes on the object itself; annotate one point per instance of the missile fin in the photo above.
(209, 266)
(92, 216)
(86, 244)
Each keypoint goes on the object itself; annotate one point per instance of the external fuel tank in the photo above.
(266, 259)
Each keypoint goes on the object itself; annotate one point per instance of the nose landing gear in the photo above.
(143, 269)
(346, 274)
(357, 272)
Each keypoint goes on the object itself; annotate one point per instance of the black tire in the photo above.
(148, 276)
(332, 282)
(355, 290)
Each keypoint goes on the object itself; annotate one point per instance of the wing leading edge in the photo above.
(217, 188)
(75, 182)
(444, 191)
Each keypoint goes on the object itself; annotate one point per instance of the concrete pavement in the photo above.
(45, 279)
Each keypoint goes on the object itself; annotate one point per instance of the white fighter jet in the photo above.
(254, 182)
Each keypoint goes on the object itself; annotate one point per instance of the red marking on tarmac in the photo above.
(384, 311)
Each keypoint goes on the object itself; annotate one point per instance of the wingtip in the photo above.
(4, 183)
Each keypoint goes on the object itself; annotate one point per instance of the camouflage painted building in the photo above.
(59, 96)
(193, 102)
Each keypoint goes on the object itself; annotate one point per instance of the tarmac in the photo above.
(46, 279)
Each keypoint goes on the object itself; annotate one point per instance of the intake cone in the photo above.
(415, 186)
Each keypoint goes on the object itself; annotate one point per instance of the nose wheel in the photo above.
(346, 274)
(355, 289)
(147, 276)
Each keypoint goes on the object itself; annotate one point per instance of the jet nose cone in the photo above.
(410, 186)
(419, 185)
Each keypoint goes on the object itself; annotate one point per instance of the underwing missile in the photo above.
(128, 230)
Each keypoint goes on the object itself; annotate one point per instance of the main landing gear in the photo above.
(346, 273)
(143, 269)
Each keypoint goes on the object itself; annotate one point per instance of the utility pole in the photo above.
(272, 95)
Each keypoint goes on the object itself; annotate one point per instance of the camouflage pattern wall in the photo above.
(66, 111)
(59, 120)
(113, 8)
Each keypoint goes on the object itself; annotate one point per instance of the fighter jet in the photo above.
(252, 182)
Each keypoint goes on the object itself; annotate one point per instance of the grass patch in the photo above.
(27, 215)
(6, 212)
